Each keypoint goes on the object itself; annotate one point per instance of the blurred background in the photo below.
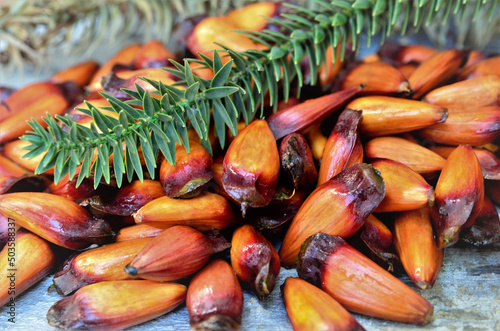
(40, 37)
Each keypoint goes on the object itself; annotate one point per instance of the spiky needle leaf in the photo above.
(234, 91)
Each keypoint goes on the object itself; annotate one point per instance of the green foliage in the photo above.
(236, 90)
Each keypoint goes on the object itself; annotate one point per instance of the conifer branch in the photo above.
(237, 89)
